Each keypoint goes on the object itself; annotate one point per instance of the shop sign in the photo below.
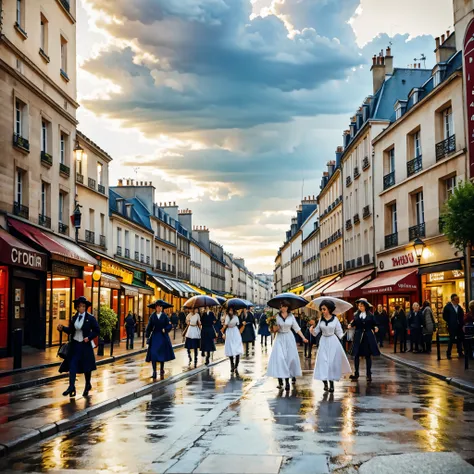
(140, 276)
(442, 276)
(399, 260)
(66, 270)
(25, 258)
(117, 270)
(468, 53)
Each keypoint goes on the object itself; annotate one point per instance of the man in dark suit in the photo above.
(453, 314)
(415, 324)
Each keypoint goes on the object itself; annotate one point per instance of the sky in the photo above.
(233, 107)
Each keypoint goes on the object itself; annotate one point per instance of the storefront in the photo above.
(22, 280)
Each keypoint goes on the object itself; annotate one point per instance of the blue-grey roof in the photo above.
(139, 215)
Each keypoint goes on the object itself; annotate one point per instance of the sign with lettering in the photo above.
(64, 269)
(396, 260)
(114, 269)
(468, 54)
(14, 252)
(443, 276)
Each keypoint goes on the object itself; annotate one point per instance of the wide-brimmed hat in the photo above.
(364, 300)
(82, 300)
(161, 303)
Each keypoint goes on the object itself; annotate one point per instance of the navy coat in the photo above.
(454, 321)
(248, 334)
(160, 348)
(365, 343)
(81, 354)
(263, 329)
(208, 333)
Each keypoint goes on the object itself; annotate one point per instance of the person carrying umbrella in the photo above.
(208, 334)
(263, 329)
(193, 334)
(247, 322)
(157, 331)
(365, 343)
(233, 347)
(284, 360)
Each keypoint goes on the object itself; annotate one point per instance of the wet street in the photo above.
(214, 422)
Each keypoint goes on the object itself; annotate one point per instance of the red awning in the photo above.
(343, 287)
(397, 281)
(59, 248)
(15, 252)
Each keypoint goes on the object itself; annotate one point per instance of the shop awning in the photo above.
(109, 281)
(317, 290)
(298, 290)
(397, 281)
(130, 290)
(143, 289)
(15, 252)
(180, 288)
(308, 291)
(59, 248)
(198, 291)
(440, 267)
(348, 284)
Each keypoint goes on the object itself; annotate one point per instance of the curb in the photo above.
(66, 424)
(44, 380)
(455, 382)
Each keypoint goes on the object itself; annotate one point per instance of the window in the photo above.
(44, 135)
(63, 55)
(415, 97)
(394, 223)
(119, 237)
(19, 8)
(417, 144)
(127, 240)
(102, 224)
(120, 205)
(436, 78)
(20, 118)
(62, 148)
(44, 34)
(450, 185)
(19, 186)
(419, 208)
(61, 207)
(391, 160)
(398, 112)
(44, 198)
(448, 125)
(366, 193)
(99, 173)
(137, 243)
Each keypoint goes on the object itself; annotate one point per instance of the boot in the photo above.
(232, 366)
(293, 380)
(237, 360)
(153, 375)
(87, 389)
(331, 386)
(280, 384)
(71, 391)
(287, 385)
(207, 360)
(355, 376)
(326, 388)
(189, 356)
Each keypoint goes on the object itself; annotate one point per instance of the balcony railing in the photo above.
(366, 212)
(137, 256)
(348, 181)
(366, 259)
(163, 266)
(356, 172)
(46, 159)
(142, 258)
(101, 188)
(391, 240)
(79, 178)
(127, 253)
(148, 260)
(365, 163)
(45, 221)
(62, 228)
(102, 240)
(446, 147)
(158, 264)
(21, 142)
(348, 224)
(90, 237)
(21, 210)
(119, 250)
(359, 261)
(64, 169)
(91, 183)
(414, 166)
(389, 180)
(356, 218)
(416, 231)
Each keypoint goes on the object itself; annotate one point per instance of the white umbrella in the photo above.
(341, 305)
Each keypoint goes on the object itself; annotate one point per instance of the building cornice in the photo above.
(331, 181)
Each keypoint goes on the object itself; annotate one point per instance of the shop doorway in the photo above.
(402, 301)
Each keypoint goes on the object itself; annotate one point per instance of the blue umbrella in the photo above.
(236, 304)
(162, 303)
(221, 300)
(288, 299)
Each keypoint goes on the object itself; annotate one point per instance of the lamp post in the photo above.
(77, 217)
(419, 246)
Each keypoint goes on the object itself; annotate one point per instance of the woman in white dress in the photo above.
(284, 361)
(233, 340)
(193, 335)
(331, 362)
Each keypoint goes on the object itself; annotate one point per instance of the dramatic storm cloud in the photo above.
(232, 106)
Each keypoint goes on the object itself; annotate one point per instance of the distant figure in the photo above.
(429, 326)
(453, 314)
(182, 319)
(130, 324)
(263, 329)
(382, 321)
(399, 325)
(174, 320)
(415, 324)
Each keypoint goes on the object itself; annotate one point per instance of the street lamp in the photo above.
(419, 246)
(78, 152)
(77, 217)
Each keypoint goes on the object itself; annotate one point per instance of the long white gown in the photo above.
(331, 361)
(233, 340)
(284, 360)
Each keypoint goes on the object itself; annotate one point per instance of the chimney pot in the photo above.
(388, 51)
(447, 34)
(419, 65)
(442, 39)
(374, 60)
(437, 42)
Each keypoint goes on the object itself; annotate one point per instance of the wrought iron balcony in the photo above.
(356, 172)
(348, 181)
(348, 224)
(356, 218)
(366, 259)
(142, 258)
(21, 142)
(20, 210)
(64, 169)
(417, 231)
(137, 256)
(79, 178)
(365, 163)
(91, 183)
(359, 261)
(148, 260)
(119, 251)
(389, 180)
(45, 221)
(102, 240)
(366, 212)
(46, 159)
(62, 228)
(163, 266)
(391, 240)
(446, 147)
(127, 253)
(90, 237)
(101, 188)
(414, 166)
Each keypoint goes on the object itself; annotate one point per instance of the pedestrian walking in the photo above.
(182, 319)
(233, 340)
(254, 325)
(399, 325)
(429, 326)
(130, 325)
(208, 334)
(284, 360)
(193, 335)
(263, 329)
(247, 329)
(312, 340)
(365, 343)
(80, 359)
(174, 320)
(331, 361)
(453, 314)
(157, 331)
(135, 321)
(382, 322)
(218, 325)
(415, 324)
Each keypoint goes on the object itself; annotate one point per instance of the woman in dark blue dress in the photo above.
(218, 325)
(160, 348)
(82, 329)
(247, 320)
(263, 329)
(208, 334)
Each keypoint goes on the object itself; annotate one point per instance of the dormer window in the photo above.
(415, 97)
(120, 206)
(400, 107)
(398, 112)
(437, 78)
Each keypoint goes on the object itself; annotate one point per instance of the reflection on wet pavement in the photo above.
(195, 424)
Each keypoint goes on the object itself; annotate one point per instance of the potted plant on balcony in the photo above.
(107, 324)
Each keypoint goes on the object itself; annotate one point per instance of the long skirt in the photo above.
(284, 361)
(233, 342)
(160, 348)
(208, 334)
(331, 361)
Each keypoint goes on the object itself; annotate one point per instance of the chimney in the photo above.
(378, 72)
(442, 39)
(388, 62)
(445, 47)
(339, 152)
(120, 182)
